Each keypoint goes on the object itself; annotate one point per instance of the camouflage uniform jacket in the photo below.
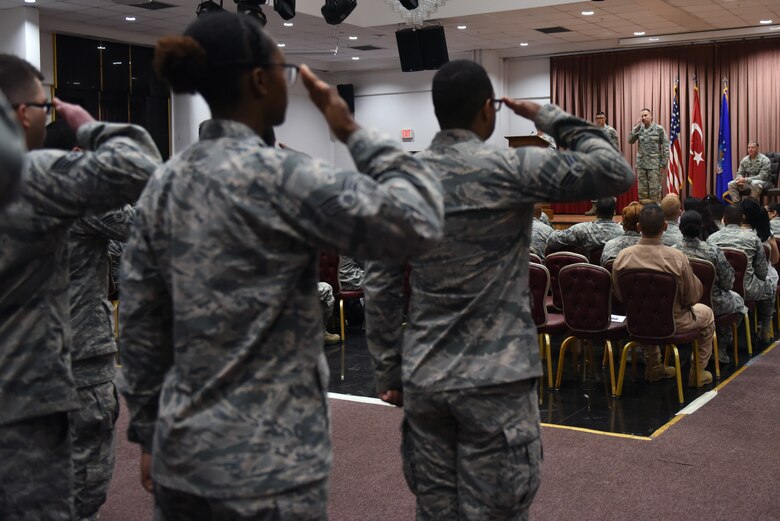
(618, 244)
(350, 274)
(540, 232)
(672, 235)
(724, 301)
(653, 150)
(612, 135)
(223, 364)
(91, 314)
(11, 151)
(774, 225)
(469, 317)
(757, 169)
(733, 236)
(588, 235)
(57, 188)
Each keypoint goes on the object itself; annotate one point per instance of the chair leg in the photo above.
(562, 359)
(343, 360)
(735, 343)
(634, 362)
(696, 367)
(747, 334)
(716, 355)
(546, 354)
(341, 317)
(608, 352)
(622, 373)
(679, 378)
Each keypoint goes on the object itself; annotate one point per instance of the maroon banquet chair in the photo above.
(738, 260)
(649, 299)
(329, 272)
(546, 323)
(586, 291)
(705, 272)
(554, 262)
(594, 256)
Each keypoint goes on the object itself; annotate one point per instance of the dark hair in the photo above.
(690, 224)
(460, 89)
(269, 136)
(651, 220)
(212, 56)
(605, 207)
(60, 136)
(715, 207)
(601, 113)
(758, 218)
(774, 207)
(733, 214)
(646, 109)
(708, 226)
(17, 78)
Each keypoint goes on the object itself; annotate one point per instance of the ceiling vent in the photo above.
(366, 48)
(152, 5)
(553, 30)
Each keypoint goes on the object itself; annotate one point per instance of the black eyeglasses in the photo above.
(497, 103)
(290, 71)
(47, 106)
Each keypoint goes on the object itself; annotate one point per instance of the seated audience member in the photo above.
(630, 233)
(756, 218)
(671, 207)
(774, 218)
(588, 235)
(724, 300)
(351, 274)
(715, 206)
(651, 254)
(708, 225)
(753, 175)
(540, 232)
(326, 303)
(544, 218)
(757, 286)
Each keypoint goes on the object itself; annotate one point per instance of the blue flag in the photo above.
(725, 172)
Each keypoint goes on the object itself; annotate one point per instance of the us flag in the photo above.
(675, 178)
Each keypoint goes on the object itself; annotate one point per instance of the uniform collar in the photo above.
(453, 136)
(219, 128)
(650, 242)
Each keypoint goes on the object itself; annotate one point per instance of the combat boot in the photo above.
(654, 368)
(592, 210)
(331, 338)
(706, 378)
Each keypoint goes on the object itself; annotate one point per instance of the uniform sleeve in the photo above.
(740, 169)
(560, 239)
(11, 152)
(384, 317)
(724, 270)
(760, 265)
(634, 134)
(392, 210)
(589, 168)
(111, 171)
(764, 172)
(664, 148)
(146, 334)
(691, 286)
(114, 226)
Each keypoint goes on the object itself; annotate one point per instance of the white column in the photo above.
(494, 65)
(20, 34)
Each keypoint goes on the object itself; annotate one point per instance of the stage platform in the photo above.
(561, 221)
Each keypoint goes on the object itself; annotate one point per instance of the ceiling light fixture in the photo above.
(285, 8)
(252, 8)
(353, 37)
(288, 24)
(523, 44)
(356, 58)
(422, 10)
(588, 13)
(653, 39)
(101, 47)
(461, 27)
(29, 1)
(281, 44)
(336, 11)
(639, 33)
(765, 22)
(130, 18)
(410, 4)
(208, 7)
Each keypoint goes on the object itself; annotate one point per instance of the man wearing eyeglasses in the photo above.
(465, 367)
(36, 382)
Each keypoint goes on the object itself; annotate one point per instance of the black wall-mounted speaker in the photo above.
(347, 92)
(422, 49)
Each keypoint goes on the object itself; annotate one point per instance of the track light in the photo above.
(285, 8)
(208, 7)
(411, 5)
(336, 11)
(252, 8)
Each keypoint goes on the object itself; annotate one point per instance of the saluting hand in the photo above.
(74, 115)
(393, 397)
(146, 472)
(527, 109)
(332, 106)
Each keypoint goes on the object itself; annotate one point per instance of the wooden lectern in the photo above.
(531, 141)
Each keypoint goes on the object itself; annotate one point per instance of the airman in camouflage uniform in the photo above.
(540, 232)
(672, 235)
(93, 355)
(465, 367)
(753, 174)
(11, 152)
(37, 387)
(652, 155)
(223, 366)
(601, 122)
(618, 244)
(544, 219)
(350, 274)
(588, 235)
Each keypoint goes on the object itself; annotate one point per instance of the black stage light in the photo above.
(252, 8)
(336, 11)
(208, 7)
(285, 8)
(410, 4)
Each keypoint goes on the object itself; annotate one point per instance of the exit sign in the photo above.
(407, 134)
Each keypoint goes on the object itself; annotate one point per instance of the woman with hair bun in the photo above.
(630, 235)
(223, 365)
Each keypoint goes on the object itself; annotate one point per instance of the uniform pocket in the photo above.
(407, 455)
(520, 473)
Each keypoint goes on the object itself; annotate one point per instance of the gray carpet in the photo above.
(723, 462)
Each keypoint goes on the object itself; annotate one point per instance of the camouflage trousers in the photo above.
(755, 187)
(92, 428)
(473, 454)
(305, 503)
(36, 473)
(326, 300)
(649, 183)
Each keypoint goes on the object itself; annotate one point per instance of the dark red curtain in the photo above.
(622, 83)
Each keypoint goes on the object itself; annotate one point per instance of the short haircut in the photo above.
(715, 206)
(775, 207)
(753, 143)
(213, 55)
(631, 216)
(605, 207)
(733, 214)
(601, 113)
(651, 220)
(60, 136)
(671, 205)
(17, 78)
(690, 224)
(460, 89)
(646, 109)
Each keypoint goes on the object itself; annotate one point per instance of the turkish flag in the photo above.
(697, 168)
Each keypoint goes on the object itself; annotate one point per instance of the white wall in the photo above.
(526, 79)
(19, 34)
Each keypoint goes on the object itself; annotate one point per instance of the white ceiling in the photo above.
(500, 25)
